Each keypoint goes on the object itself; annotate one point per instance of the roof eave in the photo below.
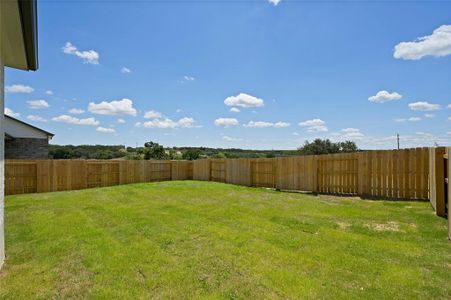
(28, 16)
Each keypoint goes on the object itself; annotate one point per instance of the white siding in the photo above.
(19, 130)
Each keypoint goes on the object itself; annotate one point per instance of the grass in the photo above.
(209, 240)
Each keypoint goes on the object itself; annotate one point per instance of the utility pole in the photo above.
(397, 138)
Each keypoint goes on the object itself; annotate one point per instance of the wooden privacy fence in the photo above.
(23, 176)
(388, 174)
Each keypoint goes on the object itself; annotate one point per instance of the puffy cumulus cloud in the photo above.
(36, 118)
(263, 124)
(121, 121)
(258, 124)
(105, 130)
(235, 110)
(152, 114)
(49, 92)
(274, 2)
(125, 70)
(11, 113)
(231, 139)
(423, 106)
(186, 122)
(351, 133)
(38, 104)
(76, 111)
(437, 44)
(414, 119)
(19, 88)
(429, 116)
(244, 100)
(384, 96)
(314, 125)
(189, 78)
(113, 108)
(411, 119)
(76, 121)
(88, 57)
(281, 124)
(226, 122)
(167, 123)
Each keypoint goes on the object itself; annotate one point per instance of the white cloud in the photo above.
(449, 118)
(400, 120)
(295, 133)
(274, 2)
(179, 110)
(263, 124)
(235, 110)
(258, 124)
(449, 106)
(160, 123)
(226, 122)
(125, 70)
(231, 139)
(121, 121)
(37, 104)
(314, 125)
(414, 119)
(36, 118)
(189, 78)
(105, 130)
(88, 57)
(11, 113)
(153, 114)
(384, 96)
(437, 44)
(167, 123)
(281, 125)
(76, 111)
(49, 92)
(113, 108)
(429, 116)
(19, 88)
(76, 121)
(244, 100)
(186, 122)
(423, 106)
(349, 134)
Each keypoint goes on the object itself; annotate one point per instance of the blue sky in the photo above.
(295, 71)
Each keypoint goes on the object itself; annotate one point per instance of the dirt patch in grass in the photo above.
(343, 225)
(74, 280)
(389, 226)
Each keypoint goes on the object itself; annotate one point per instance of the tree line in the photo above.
(153, 150)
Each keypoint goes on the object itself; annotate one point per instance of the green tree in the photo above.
(153, 151)
(192, 154)
(319, 146)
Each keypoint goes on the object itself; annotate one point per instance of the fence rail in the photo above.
(388, 174)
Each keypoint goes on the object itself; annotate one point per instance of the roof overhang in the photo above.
(18, 34)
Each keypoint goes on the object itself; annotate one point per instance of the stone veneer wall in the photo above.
(26, 148)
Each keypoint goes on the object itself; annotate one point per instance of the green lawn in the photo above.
(209, 240)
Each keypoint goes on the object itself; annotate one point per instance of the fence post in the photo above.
(448, 152)
(437, 180)
(361, 165)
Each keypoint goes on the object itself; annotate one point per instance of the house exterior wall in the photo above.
(26, 148)
(2, 164)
